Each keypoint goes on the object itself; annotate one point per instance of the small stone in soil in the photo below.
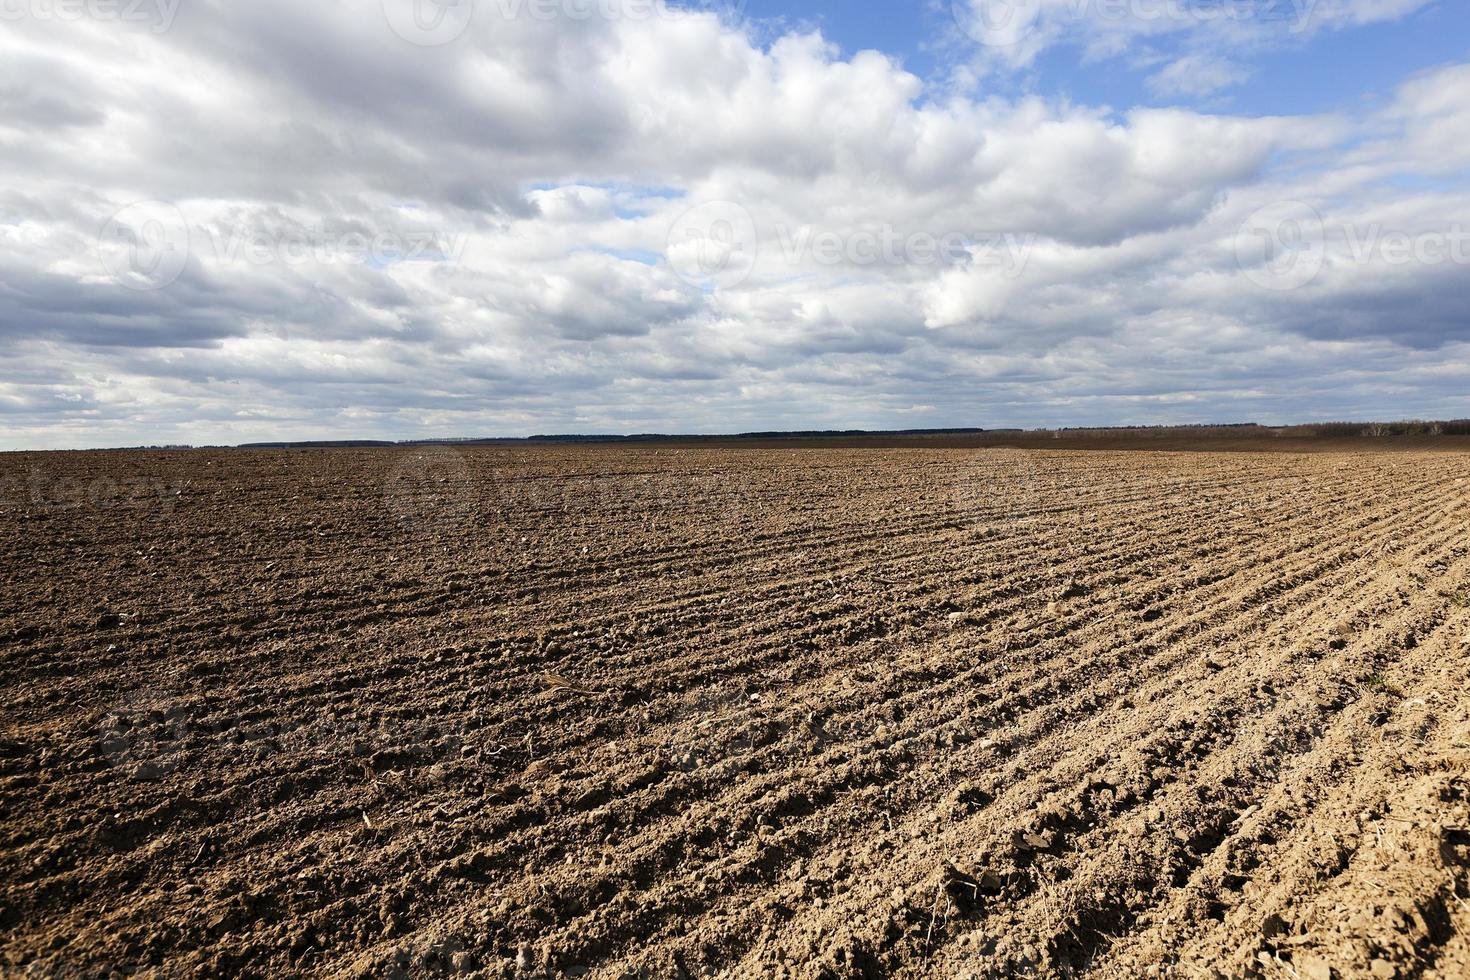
(146, 772)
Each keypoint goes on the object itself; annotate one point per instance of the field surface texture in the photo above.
(672, 712)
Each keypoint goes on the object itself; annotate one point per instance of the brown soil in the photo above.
(668, 712)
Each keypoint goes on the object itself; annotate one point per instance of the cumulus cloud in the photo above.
(292, 220)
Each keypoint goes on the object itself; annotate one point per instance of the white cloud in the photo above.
(1011, 34)
(1434, 113)
(383, 238)
(1197, 75)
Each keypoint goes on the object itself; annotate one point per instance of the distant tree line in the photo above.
(1223, 430)
(1413, 427)
(1328, 430)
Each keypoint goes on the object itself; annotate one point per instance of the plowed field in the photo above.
(656, 712)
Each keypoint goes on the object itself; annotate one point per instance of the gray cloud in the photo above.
(375, 238)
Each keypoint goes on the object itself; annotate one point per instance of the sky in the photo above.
(403, 219)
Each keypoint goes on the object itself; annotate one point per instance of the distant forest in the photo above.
(1315, 430)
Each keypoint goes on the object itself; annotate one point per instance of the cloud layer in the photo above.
(243, 221)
